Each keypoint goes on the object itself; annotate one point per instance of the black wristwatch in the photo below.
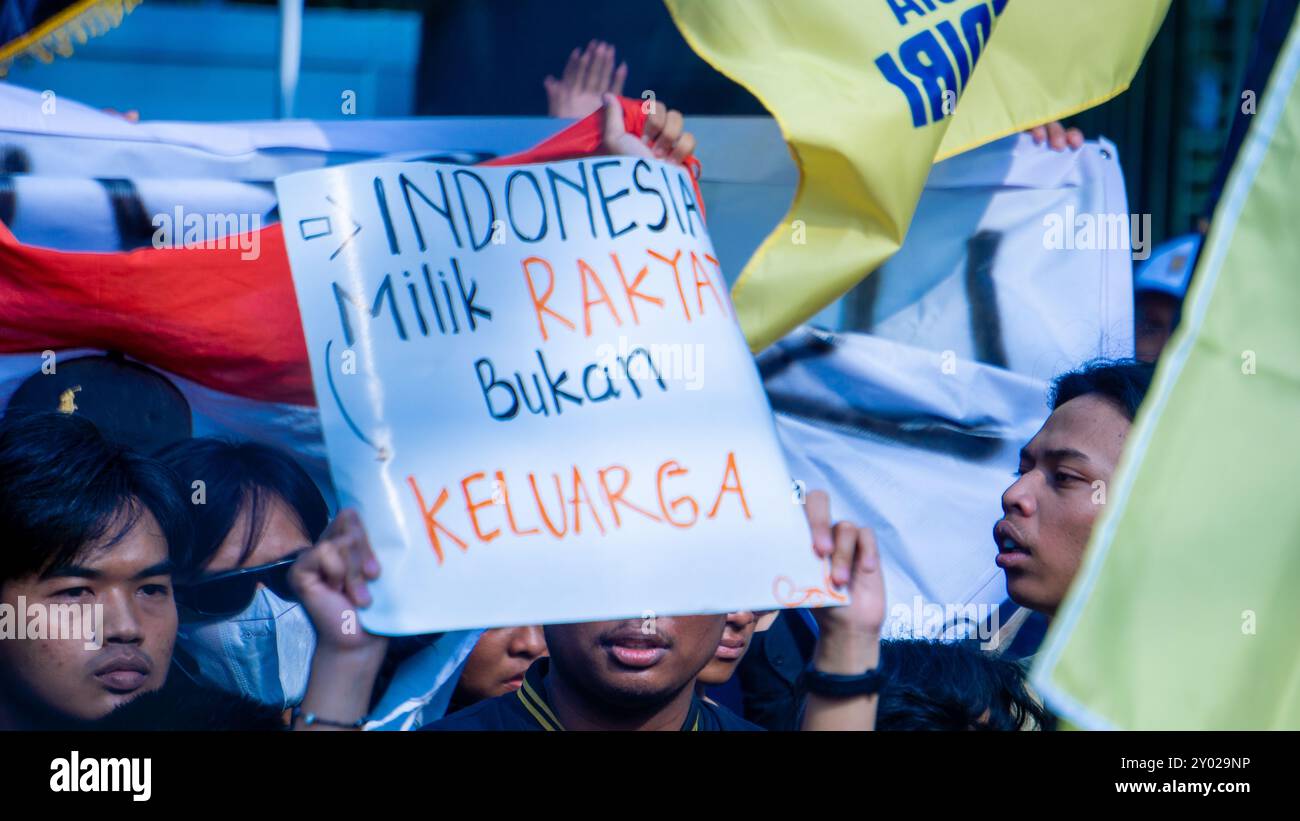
(834, 685)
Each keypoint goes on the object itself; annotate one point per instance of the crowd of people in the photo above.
(230, 612)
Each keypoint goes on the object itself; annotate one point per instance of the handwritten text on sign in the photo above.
(532, 385)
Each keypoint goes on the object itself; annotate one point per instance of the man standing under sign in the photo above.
(636, 674)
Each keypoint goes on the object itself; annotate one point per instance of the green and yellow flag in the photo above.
(866, 93)
(1185, 611)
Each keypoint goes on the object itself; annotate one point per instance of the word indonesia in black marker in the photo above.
(437, 220)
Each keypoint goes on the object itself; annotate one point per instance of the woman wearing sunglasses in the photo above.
(254, 509)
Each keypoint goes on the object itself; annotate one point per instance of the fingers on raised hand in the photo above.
(817, 507)
(868, 556)
(354, 582)
(359, 562)
(362, 567)
(666, 138)
(684, 147)
(571, 67)
(662, 135)
(342, 559)
(604, 68)
(654, 123)
(329, 560)
(845, 538)
(314, 563)
(586, 78)
(612, 124)
(867, 587)
(1056, 136)
(620, 77)
(340, 523)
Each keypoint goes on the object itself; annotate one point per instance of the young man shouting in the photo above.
(1061, 485)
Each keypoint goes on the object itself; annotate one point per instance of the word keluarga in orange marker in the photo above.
(580, 501)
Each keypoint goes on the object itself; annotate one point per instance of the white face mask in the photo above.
(262, 653)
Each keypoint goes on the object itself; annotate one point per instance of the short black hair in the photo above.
(934, 685)
(235, 475)
(66, 489)
(130, 403)
(1123, 381)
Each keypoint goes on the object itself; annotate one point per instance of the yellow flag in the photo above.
(867, 94)
(1183, 615)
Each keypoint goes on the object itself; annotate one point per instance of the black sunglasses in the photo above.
(226, 594)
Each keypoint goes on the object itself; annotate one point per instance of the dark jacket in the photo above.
(180, 704)
(527, 709)
(771, 668)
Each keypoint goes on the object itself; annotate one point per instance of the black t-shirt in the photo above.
(527, 709)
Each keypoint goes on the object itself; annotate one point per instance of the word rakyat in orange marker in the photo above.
(672, 281)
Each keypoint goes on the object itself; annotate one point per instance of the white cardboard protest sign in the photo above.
(532, 385)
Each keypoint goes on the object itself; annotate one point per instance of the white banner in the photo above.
(919, 446)
(977, 279)
(532, 384)
(1019, 257)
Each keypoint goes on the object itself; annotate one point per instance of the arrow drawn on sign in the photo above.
(316, 227)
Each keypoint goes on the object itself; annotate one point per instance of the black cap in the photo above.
(131, 404)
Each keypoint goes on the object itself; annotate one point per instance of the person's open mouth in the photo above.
(1012, 552)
